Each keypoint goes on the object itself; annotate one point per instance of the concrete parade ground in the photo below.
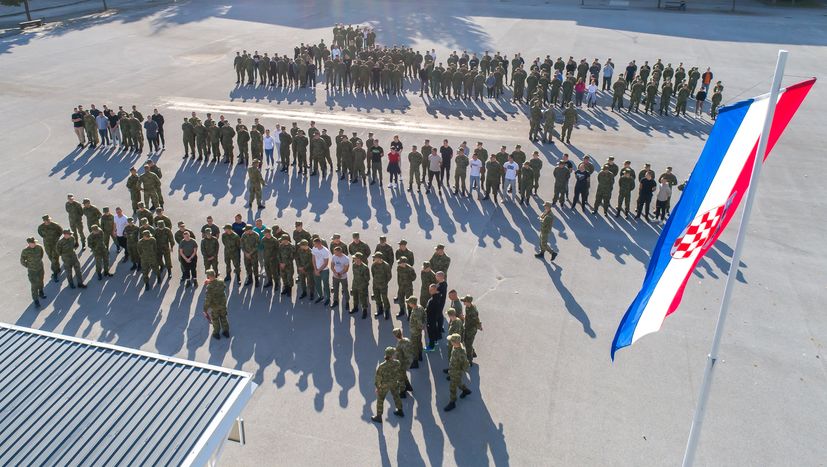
(545, 391)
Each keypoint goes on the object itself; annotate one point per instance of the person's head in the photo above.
(455, 340)
(396, 138)
(649, 176)
(238, 217)
(383, 239)
(355, 237)
(31, 242)
(397, 333)
(452, 294)
(259, 223)
(439, 249)
(510, 158)
(337, 251)
(432, 289)
(440, 276)
(581, 166)
(186, 232)
(317, 243)
(86, 202)
(669, 170)
(627, 163)
(452, 314)
(412, 302)
(389, 353)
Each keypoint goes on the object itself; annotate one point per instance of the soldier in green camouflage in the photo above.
(91, 129)
(526, 183)
(165, 240)
(148, 252)
(414, 173)
(461, 163)
(440, 262)
(249, 247)
(300, 143)
(232, 253)
(455, 326)
(665, 97)
(75, 212)
(188, 135)
(569, 120)
(416, 320)
(405, 354)
(386, 249)
(133, 184)
(287, 255)
(51, 232)
(209, 250)
(31, 258)
(91, 213)
(618, 88)
(683, 97)
(130, 231)
(201, 140)
(457, 366)
(242, 138)
(214, 140)
(215, 305)
(66, 250)
(255, 184)
(626, 184)
(304, 265)
(605, 184)
(427, 277)
(270, 250)
(471, 327)
(227, 133)
(381, 273)
(651, 94)
(99, 251)
(546, 221)
(536, 165)
(107, 223)
(361, 282)
(717, 97)
(317, 155)
(636, 95)
(151, 185)
(388, 380)
(405, 277)
(358, 246)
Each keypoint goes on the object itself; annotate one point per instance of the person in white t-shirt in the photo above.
(340, 264)
(120, 238)
(475, 165)
(269, 147)
(321, 269)
(511, 168)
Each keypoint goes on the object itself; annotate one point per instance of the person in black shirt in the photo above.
(423, 80)
(442, 297)
(447, 154)
(644, 196)
(376, 153)
(396, 145)
(77, 123)
(581, 186)
(631, 69)
(433, 312)
(159, 120)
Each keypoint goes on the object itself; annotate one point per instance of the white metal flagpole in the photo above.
(712, 358)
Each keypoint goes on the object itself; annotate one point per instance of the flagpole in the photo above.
(712, 358)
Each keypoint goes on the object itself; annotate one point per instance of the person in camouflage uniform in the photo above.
(405, 355)
(665, 97)
(416, 320)
(133, 184)
(107, 223)
(232, 253)
(388, 380)
(461, 163)
(304, 266)
(188, 135)
(215, 305)
(209, 250)
(242, 138)
(148, 251)
(151, 184)
(51, 232)
(683, 97)
(249, 246)
(526, 183)
(536, 165)
(226, 135)
(31, 258)
(605, 184)
(457, 366)
(440, 262)
(66, 250)
(546, 221)
(201, 140)
(75, 212)
(414, 173)
(626, 184)
(130, 231)
(381, 273)
(717, 97)
(386, 249)
(270, 251)
(455, 326)
(91, 129)
(405, 277)
(427, 277)
(287, 255)
(317, 156)
(472, 325)
(569, 120)
(255, 183)
(165, 240)
(361, 283)
(91, 213)
(100, 252)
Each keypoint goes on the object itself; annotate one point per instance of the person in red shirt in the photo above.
(394, 169)
(706, 79)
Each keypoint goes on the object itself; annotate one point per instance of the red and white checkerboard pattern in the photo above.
(696, 234)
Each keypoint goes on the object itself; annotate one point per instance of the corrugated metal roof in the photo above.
(70, 401)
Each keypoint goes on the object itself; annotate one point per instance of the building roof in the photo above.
(70, 401)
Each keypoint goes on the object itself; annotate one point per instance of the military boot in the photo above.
(451, 406)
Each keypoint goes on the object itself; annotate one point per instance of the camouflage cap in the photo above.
(285, 237)
(455, 338)
(248, 228)
(548, 204)
(210, 273)
(426, 264)
(161, 223)
(611, 158)
(46, 217)
(336, 236)
(86, 200)
(140, 204)
(397, 332)
(298, 223)
(66, 231)
(403, 242)
(130, 219)
(106, 209)
(256, 161)
(228, 226)
(467, 299)
(439, 247)
(359, 255)
(144, 220)
(378, 255)
(267, 230)
(389, 352)
(94, 227)
(412, 300)
(30, 240)
(451, 312)
(304, 242)
(355, 235)
(383, 237)
(403, 260)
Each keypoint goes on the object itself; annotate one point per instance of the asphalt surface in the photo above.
(545, 391)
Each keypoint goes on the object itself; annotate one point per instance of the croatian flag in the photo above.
(718, 182)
